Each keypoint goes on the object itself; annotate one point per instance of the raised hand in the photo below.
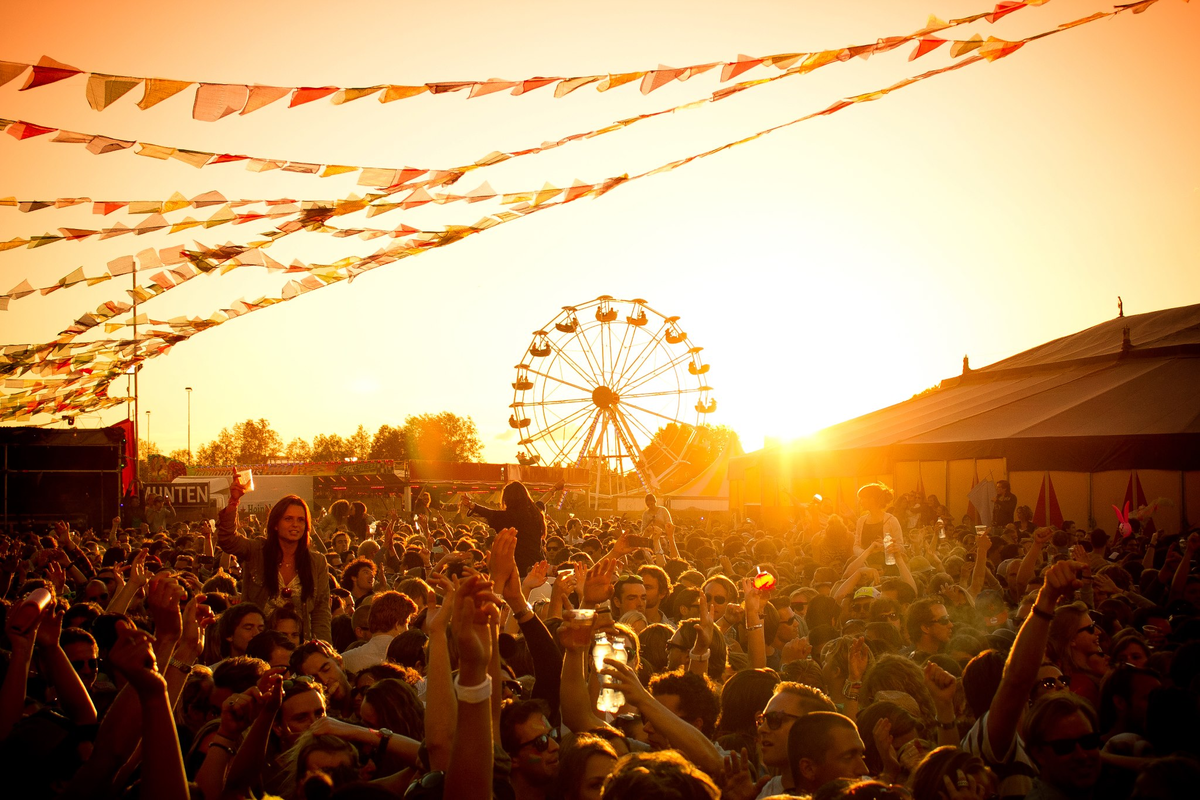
(476, 610)
(133, 657)
(858, 659)
(50, 628)
(966, 787)
(137, 570)
(57, 576)
(535, 578)
(752, 599)
(598, 582)
(502, 562)
(704, 628)
(196, 618)
(941, 684)
(163, 599)
(885, 745)
(1042, 537)
(797, 649)
(737, 778)
(576, 634)
(1061, 579)
(238, 711)
(625, 680)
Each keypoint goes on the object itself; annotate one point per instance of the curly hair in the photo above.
(697, 696)
(398, 707)
(928, 780)
(350, 573)
(898, 674)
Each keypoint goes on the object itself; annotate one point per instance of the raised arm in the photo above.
(756, 640)
(682, 735)
(1029, 564)
(441, 706)
(1020, 671)
(902, 565)
(228, 539)
(576, 701)
(982, 545)
(1179, 582)
(476, 617)
(71, 692)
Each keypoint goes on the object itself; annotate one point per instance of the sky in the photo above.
(830, 269)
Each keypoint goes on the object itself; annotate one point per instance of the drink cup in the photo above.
(245, 478)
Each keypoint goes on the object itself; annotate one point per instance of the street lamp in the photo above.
(189, 391)
(147, 436)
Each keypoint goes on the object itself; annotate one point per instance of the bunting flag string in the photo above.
(215, 101)
(75, 376)
(379, 177)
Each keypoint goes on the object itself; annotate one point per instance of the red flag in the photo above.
(1039, 513)
(128, 473)
(48, 71)
(926, 44)
(1054, 511)
(1003, 10)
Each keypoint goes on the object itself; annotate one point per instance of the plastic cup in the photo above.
(581, 614)
(245, 477)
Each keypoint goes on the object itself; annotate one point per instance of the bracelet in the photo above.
(755, 627)
(1046, 615)
(474, 694)
(851, 688)
(694, 656)
(947, 726)
(220, 746)
(186, 669)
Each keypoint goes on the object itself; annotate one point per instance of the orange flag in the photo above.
(103, 90)
(215, 101)
(1003, 10)
(306, 94)
(926, 44)
(48, 71)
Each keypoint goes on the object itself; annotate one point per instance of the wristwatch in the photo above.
(385, 736)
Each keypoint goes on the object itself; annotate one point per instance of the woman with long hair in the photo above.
(517, 510)
(283, 569)
(585, 761)
(1074, 647)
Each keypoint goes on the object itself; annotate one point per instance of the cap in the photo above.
(866, 591)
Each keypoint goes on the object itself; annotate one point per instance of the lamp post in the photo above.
(147, 438)
(189, 391)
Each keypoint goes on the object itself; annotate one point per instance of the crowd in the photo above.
(469, 652)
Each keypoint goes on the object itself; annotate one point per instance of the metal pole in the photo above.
(147, 435)
(189, 391)
(136, 450)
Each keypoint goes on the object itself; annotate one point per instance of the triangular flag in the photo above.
(492, 86)
(347, 95)
(525, 87)
(215, 101)
(660, 77)
(159, 89)
(565, 87)
(994, 49)
(21, 290)
(10, 70)
(48, 71)
(306, 94)
(27, 130)
(484, 192)
(735, 68)
(1054, 511)
(263, 96)
(958, 48)
(103, 90)
(102, 144)
(613, 81)
(1003, 10)
(401, 92)
(926, 44)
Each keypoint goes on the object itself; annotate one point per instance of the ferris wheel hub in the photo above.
(604, 397)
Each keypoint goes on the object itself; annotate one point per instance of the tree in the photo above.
(250, 442)
(360, 443)
(442, 437)
(699, 446)
(298, 450)
(329, 447)
(180, 455)
(388, 443)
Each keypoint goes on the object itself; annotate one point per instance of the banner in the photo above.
(215, 101)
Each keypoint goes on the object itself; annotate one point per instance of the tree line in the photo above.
(444, 436)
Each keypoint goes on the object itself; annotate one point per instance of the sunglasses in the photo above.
(1088, 629)
(1053, 682)
(890, 615)
(299, 681)
(1064, 747)
(774, 719)
(540, 743)
(81, 664)
(718, 599)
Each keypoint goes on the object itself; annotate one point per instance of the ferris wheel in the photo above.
(613, 385)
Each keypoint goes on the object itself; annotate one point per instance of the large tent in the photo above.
(1078, 424)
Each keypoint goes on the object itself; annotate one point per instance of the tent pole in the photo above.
(1183, 512)
(1091, 513)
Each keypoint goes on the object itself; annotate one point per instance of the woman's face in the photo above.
(596, 769)
(1049, 679)
(1087, 636)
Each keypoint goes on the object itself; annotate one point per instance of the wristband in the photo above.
(851, 688)
(1046, 615)
(220, 746)
(474, 694)
(947, 726)
(755, 627)
(694, 656)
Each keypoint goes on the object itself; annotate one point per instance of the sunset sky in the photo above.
(829, 269)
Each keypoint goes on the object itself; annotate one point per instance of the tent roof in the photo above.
(714, 481)
(1082, 395)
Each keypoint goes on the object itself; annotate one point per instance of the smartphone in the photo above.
(637, 540)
